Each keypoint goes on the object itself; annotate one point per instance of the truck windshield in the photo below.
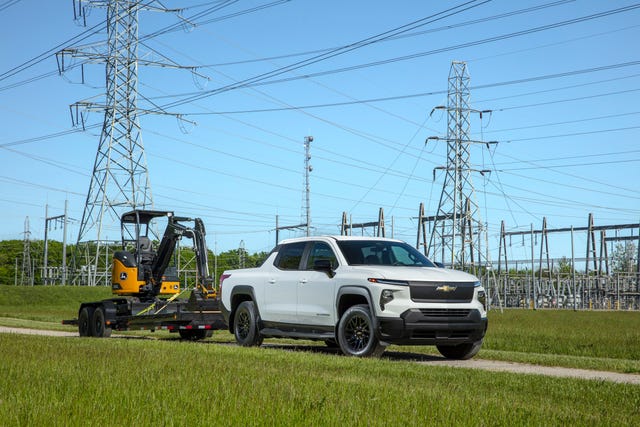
(380, 252)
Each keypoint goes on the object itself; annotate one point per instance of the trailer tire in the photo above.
(245, 325)
(84, 321)
(98, 325)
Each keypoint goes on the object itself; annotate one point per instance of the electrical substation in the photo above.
(454, 235)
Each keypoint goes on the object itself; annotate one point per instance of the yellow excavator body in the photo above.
(124, 281)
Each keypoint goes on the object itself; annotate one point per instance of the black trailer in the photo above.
(194, 318)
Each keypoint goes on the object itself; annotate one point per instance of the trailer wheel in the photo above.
(84, 321)
(100, 329)
(245, 325)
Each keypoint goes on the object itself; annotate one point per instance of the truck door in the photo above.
(316, 290)
(281, 287)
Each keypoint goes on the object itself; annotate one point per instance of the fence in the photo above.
(564, 291)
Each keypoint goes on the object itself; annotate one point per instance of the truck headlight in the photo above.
(386, 296)
(482, 297)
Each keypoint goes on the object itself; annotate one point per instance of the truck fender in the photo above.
(239, 293)
(359, 291)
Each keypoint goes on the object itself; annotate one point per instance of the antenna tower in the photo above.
(307, 189)
(455, 238)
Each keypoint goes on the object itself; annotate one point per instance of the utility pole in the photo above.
(457, 227)
(242, 255)
(56, 220)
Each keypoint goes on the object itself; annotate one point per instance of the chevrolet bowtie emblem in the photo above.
(446, 288)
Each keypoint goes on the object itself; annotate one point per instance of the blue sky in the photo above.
(564, 102)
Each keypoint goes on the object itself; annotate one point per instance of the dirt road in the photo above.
(489, 365)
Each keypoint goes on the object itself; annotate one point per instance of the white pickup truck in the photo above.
(357, 293)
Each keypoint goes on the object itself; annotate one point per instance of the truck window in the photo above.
(290, 256)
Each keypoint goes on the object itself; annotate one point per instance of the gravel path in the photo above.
(552, 371)
(489, 365)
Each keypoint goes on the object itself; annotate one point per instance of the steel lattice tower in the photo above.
(455, 237)
(26, 274)
(120, 179)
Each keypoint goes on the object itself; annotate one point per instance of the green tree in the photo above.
(624, 258)
(564, 265)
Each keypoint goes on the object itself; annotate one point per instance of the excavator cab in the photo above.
(135, 270)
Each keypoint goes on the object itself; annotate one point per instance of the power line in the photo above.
(7, 4)
(535, 138)
(39, 58)
(260, 79)
(333, 53)
(400, 36)
(439, 92)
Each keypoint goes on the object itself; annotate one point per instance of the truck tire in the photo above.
(356, 335)
(98, 325)
(84, 321)
(460, 351)
(245, 325)
(194, 334)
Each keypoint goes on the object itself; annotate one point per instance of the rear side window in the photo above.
(290, 256)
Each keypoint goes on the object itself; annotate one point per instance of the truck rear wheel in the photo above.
(84, 321)
(194, 334)
(245, 325)
(460, 351)
(100, 329)
(356, 335)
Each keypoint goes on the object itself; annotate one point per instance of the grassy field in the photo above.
(137, 380)
(124, 382)
(589, 340)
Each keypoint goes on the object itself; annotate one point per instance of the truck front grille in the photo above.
(445, 312)
(441, 292)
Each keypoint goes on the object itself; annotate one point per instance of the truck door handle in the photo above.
(272, 281)
(303, 281)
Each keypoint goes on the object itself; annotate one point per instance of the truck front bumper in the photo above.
(433, 326)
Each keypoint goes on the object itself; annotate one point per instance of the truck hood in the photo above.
(413, 274)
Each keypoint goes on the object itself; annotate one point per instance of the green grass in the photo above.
(123, 382)
(47, 303)
(163, 381)
(581, 339)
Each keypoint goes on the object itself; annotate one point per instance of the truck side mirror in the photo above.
(324, 265)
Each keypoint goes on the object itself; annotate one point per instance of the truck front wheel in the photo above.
(460, 351)
(356, 335)
(245, 325)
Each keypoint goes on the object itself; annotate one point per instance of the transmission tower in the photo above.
(456, 233)
(120, 178)
(26, 276)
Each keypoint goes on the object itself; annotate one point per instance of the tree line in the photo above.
(25, 265)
